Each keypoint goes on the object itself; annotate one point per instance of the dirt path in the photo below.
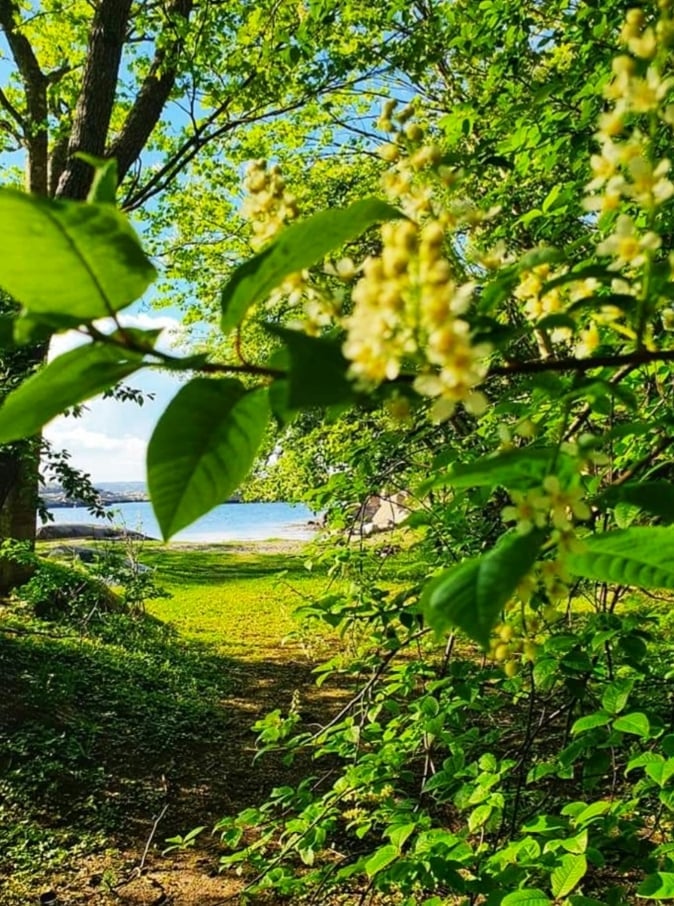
(168, 790)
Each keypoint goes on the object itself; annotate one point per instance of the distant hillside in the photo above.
(111, 492)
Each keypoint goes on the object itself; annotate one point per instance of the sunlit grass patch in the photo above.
(241, 603)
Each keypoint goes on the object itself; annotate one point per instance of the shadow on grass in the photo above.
(181, 567)
(98, 733)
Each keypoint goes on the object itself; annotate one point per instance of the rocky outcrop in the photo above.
(381, 513)
(53, 531)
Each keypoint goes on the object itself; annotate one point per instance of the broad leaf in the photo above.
(567, 875)
(90, 260)
(381, 859)
(589, 722)
(515, 469)
(658, 886)
(104, 184)
(317, 370)
(71, 378)
(641, 556)
(471, 596)
(617, 695)
(38, 329)
(635, 723)
(202, 448)
(654, 497)
(527, 897)
(299, 246)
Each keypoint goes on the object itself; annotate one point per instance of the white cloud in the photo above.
(170, 327)
(106, 457)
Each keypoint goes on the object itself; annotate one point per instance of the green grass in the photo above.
(99, 720)
(241, 604)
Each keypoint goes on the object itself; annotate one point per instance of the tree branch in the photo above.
(97, 96)
(187, 150)
(34, 81)
(13, 112)
(537, 366)
(151, 98)
(202, 136)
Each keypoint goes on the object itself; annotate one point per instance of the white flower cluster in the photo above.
(268, 205)
(407, 305)
(625, 170)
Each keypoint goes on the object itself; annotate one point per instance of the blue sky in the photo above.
(109, 440)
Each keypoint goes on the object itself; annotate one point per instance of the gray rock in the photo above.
(53, 531)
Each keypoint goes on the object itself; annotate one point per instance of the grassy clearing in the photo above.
(240, 603)
(106, 725)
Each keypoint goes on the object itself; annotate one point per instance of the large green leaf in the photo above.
(654, 497)
(380, 859)
(567, 875)
(317, 370)
(514, 469)
(471, 595)
(299, 246)
(71, 378)
(658, 886)
(69, 258)
(635, 723)
(530, 896)
(202, 448)
(641, 556)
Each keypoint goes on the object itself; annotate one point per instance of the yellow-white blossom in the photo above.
(627, 246)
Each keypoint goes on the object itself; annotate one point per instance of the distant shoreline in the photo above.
(55, 500)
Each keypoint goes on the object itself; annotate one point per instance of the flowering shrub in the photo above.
(539, 381)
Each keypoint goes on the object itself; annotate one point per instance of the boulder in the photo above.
(61, 530)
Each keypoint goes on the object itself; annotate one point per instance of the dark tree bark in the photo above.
(65, 176)
(36, 137)
(97, 97)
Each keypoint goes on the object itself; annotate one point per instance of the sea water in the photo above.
(228, 522)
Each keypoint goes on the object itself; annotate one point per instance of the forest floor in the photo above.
(119, 736)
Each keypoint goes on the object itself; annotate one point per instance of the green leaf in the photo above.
(398, 834)
(579, 900)
(39, 329)
(472, 594)
(567, 875)
(380, 859)
(202, 448)
(642, 760)
(104, 186)
(658, 886)
(654, 497)
(479, 816)
(529, 896)
(661, 772)
(589, 722)
(641, 556)
(299, 246)
(588, 813)
(635, 723)
(90, 260)
(71, 378)
(545, 824)
(514, 469)
(317, 370)
(617, 695)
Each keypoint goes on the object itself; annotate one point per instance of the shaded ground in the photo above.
(113, 741)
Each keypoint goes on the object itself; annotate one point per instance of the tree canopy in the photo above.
(477, 307)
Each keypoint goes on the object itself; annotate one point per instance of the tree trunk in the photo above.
(18, 472)
(66, 176)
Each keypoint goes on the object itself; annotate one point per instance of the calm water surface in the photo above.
(229, 522)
